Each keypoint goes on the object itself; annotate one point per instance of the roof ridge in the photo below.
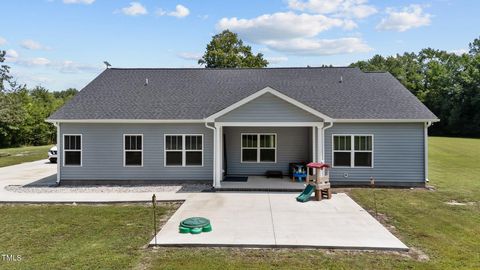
(246, 68)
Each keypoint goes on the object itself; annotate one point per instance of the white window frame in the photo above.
(352, 151)
(125, 151)
(183, 150)
(258, 147)
(81, 149)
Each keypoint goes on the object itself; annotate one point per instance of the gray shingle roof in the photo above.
(119, 93)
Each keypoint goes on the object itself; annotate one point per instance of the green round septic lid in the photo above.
(195, 222)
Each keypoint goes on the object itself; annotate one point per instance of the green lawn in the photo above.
(113, 237)
(17, 155)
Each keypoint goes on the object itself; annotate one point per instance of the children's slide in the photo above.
(306, 194)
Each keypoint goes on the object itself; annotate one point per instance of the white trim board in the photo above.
(274, 92)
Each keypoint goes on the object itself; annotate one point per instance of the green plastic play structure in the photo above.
(195, 225)
(307, 192)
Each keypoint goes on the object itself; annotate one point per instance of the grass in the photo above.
(17, 155)
(76, 236)
(113, 237)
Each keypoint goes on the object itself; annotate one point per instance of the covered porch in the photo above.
(247, 151)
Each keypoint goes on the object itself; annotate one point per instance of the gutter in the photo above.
(323, 140)
(214, 155)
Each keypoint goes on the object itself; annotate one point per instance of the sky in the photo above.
(60, 44)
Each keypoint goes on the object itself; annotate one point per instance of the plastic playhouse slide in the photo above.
(306, 194)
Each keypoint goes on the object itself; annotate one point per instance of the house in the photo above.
(140, 125)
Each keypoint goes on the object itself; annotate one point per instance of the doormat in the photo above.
(235, 179)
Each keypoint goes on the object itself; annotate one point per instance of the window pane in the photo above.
(341, 142)
(139, 142)
(72, 158)
(127, 143)
(363, 143)
(193, 158)
(267, 155)
(78, 142)
(249, 155)
(363, 159)
(174, 159)
(249, 141)
(341, 159)
(267, 141)
(193, 142)
(133, 158)
(173, 143)
(67, 142)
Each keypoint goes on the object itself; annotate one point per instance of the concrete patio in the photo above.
(277, 220)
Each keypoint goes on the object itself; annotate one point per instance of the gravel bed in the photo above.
(110, 189)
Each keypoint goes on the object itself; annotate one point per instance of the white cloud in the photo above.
(38, 61)
(33, 45)
(320, 46)
(342, 8)
(203, 17)
(296, 33)
(190, 55)
(459, 51)
(276, 59)
(11, 56)
(180, 12)
(68, 66)
(86, 2)
(3, 41)
(134, 9)
(402, 20)
(282, 26)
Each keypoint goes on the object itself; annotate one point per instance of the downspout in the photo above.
(323, 139)
(214, 153)
(57, 125)
(425, 142)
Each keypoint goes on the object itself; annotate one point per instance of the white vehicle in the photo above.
(52, 154)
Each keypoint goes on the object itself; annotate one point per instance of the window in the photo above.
(259, 147)
(360, 154)
(72, 150)
(183, 150)
(133, 150)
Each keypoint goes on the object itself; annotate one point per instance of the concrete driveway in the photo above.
(43, 173)
(278, 220)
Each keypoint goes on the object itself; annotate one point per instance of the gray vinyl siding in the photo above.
(292, 146)
(102, 152)
(268, 108)
(398, 153)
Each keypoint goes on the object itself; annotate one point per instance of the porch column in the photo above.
(218, 155)
(320, 143)
(314, 144)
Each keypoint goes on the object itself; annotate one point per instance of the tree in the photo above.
(226, 50)
(4, 71)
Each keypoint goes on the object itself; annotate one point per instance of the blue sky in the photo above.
(62, 43)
